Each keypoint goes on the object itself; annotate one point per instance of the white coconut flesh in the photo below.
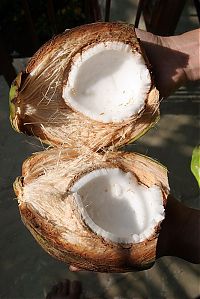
(115, 206)
(107, 82)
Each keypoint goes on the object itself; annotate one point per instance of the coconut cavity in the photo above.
(115, 206)
(108, 82)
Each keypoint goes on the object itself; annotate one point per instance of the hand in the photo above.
(174, 59)
(179, 234)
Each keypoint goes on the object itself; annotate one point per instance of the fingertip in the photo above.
(74, 269)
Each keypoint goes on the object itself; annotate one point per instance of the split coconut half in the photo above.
(96, 212)
(87, 92)
(90, 86)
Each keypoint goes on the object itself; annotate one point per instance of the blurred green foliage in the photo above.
(195, 163)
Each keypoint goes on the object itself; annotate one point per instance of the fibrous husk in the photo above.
(37, 106)
(50, 213)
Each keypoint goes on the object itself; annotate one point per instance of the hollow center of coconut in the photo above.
(115, 206)
(107, 82)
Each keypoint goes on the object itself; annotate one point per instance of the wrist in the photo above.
(189, 44)
(177, 59)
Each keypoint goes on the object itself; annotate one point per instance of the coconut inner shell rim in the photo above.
(115, 206)
(108, 82)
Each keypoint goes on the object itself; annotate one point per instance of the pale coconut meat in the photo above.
(108, 82)
(117, 207)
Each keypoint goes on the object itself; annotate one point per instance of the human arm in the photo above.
(179, 235)
(174, 59)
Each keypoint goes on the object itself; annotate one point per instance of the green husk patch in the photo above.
(195, 164)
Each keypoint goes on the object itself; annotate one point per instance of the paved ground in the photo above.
(28, 272)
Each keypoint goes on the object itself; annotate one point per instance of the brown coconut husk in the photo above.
(37, 106)
(50, 213)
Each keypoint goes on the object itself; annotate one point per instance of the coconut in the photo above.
(90, 86)
(87, 92)
(99, 212)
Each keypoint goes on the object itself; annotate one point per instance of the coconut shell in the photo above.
(50, 213)
(37, 106)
